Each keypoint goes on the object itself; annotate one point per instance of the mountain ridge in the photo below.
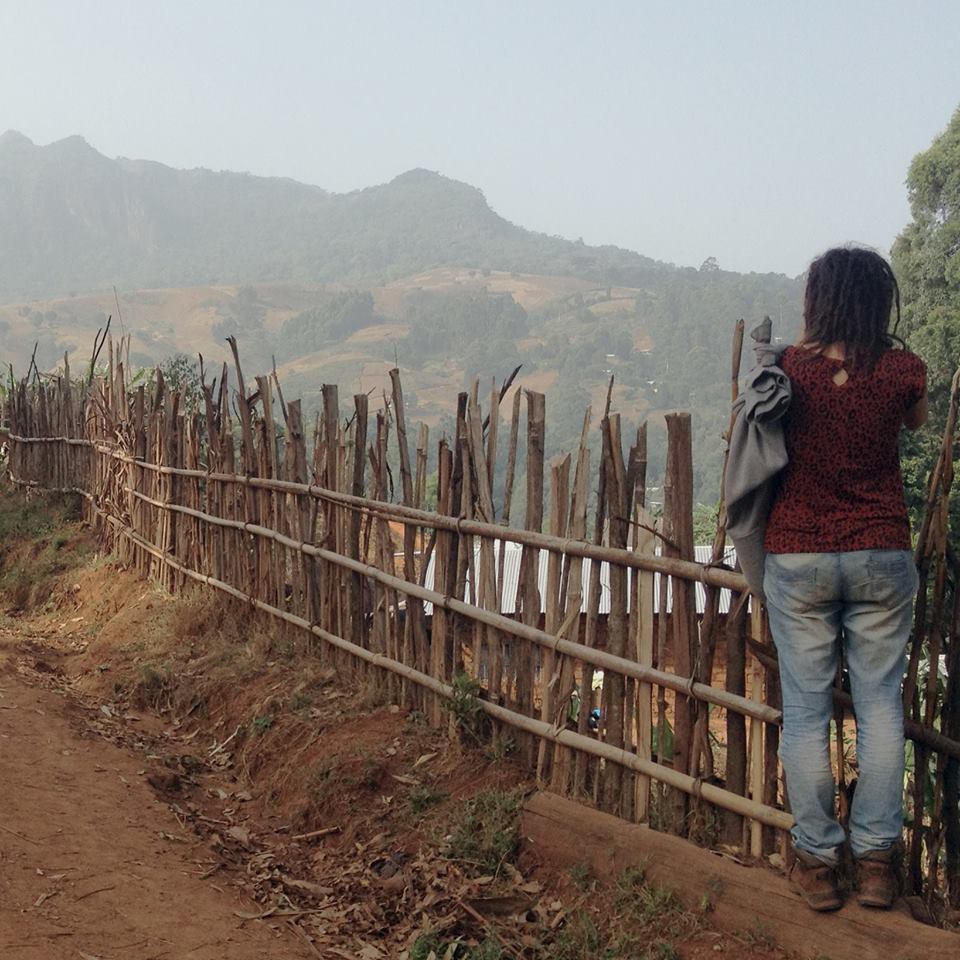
(72, 218)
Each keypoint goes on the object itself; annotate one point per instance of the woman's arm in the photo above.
(916, 416)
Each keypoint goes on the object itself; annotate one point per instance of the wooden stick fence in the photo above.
(227, 492)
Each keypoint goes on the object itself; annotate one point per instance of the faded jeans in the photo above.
(816, 601)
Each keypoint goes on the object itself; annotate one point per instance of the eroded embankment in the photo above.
(180, 768)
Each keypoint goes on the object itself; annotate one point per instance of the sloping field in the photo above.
(164, 322)
(179, 320)
(161, 322)
(528, 289)
(613, 307)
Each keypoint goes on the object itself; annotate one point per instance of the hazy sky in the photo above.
(755, 132)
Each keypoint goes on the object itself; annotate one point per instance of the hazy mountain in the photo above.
(73, 219)
(339, 287)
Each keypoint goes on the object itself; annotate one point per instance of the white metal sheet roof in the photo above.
(512, 553)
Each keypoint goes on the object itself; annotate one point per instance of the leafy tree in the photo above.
(335, 319)
(244, 317)
(478, 326)
(182, 373)
(704, 522)
(926, 258)
(622, 344)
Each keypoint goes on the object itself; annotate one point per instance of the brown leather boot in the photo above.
(878, 878)
(816, 882)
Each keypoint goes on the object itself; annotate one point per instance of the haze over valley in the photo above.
(338, 288)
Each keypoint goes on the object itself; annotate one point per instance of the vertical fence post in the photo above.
(617, 788)
(508, 649)
(644, 544)
(756, 734)
(583, 765)
(559, 492)
(415, 643)
(357, 584)
(678, 542)
(527, 667)
(444, 573)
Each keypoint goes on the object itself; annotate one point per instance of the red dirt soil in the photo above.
(92, 864)
(160, 756)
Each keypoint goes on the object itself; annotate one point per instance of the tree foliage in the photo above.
(926, 257)
(243, 317)
(477, 325)
(335, 319)
(182, 373)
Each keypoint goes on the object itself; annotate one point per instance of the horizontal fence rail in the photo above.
(628, 668)
(715, 576)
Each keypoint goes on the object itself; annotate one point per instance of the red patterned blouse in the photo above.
(841, 489)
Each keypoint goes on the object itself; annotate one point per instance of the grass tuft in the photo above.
(466, 708)
(424, 797)
(154, 688)
(485, 832)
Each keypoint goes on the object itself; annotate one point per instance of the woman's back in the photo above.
(839, 576)
(842, 489)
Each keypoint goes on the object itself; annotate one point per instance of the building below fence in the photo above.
(512, 553)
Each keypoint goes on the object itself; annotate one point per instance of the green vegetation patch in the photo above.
(485, 832)
(431, 946)
(467, 710)
(35, 517)
(36, 543)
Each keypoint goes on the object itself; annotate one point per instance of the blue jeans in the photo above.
(816, 601)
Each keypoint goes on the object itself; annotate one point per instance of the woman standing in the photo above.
(839, 571)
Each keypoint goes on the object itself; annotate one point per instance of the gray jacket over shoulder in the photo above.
(757, 453)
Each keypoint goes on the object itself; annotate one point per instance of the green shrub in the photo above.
(486, 831)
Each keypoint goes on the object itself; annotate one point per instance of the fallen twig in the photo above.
(19, 836)
(90, 893)
(218, 747)
(300, 932)
(276, 912)
(313, 834)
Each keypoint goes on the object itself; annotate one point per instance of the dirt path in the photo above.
(166, 764)
(92, 864)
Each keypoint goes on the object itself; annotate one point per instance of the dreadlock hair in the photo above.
(849, 296)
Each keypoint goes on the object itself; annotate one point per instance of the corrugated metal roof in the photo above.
(512, 553)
